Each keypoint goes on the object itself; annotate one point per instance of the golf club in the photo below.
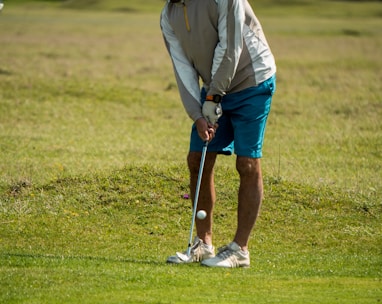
(187, 256)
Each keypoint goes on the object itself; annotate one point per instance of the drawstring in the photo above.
(186, 17)
(184, 12)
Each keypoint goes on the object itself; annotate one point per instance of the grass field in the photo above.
(93, 140)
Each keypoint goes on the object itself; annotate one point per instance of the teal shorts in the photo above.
(242, 125)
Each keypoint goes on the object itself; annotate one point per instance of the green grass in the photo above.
(94, 238)
(93, 141)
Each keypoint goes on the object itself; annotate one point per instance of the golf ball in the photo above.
(201, 215)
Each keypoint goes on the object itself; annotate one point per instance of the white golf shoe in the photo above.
(229, 256)
(199, 252)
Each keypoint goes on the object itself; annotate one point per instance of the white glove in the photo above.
(212, 111)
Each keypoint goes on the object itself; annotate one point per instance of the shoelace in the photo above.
(195, 246)
(195, 250)
(225, 252)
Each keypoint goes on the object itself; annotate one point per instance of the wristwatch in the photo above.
(215, 98)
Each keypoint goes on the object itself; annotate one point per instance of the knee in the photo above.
(193, 161)
(248, 166)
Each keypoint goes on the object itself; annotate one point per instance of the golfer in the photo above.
(221, 43)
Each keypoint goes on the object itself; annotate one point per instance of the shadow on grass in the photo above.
(80, 258)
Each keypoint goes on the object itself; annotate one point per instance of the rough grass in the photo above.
(103, 238)
(93, 141)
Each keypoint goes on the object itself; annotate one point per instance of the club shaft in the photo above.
(196, 198)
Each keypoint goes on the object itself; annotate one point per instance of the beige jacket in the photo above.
(219, 42)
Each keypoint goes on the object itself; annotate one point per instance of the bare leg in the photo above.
(250, 197)
(207, 194)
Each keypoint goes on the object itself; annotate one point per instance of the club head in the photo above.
(184, 257)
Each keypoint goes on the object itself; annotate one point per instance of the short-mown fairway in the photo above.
(93, 141)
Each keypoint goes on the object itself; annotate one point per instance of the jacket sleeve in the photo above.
(186, 76)
(228, 51)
